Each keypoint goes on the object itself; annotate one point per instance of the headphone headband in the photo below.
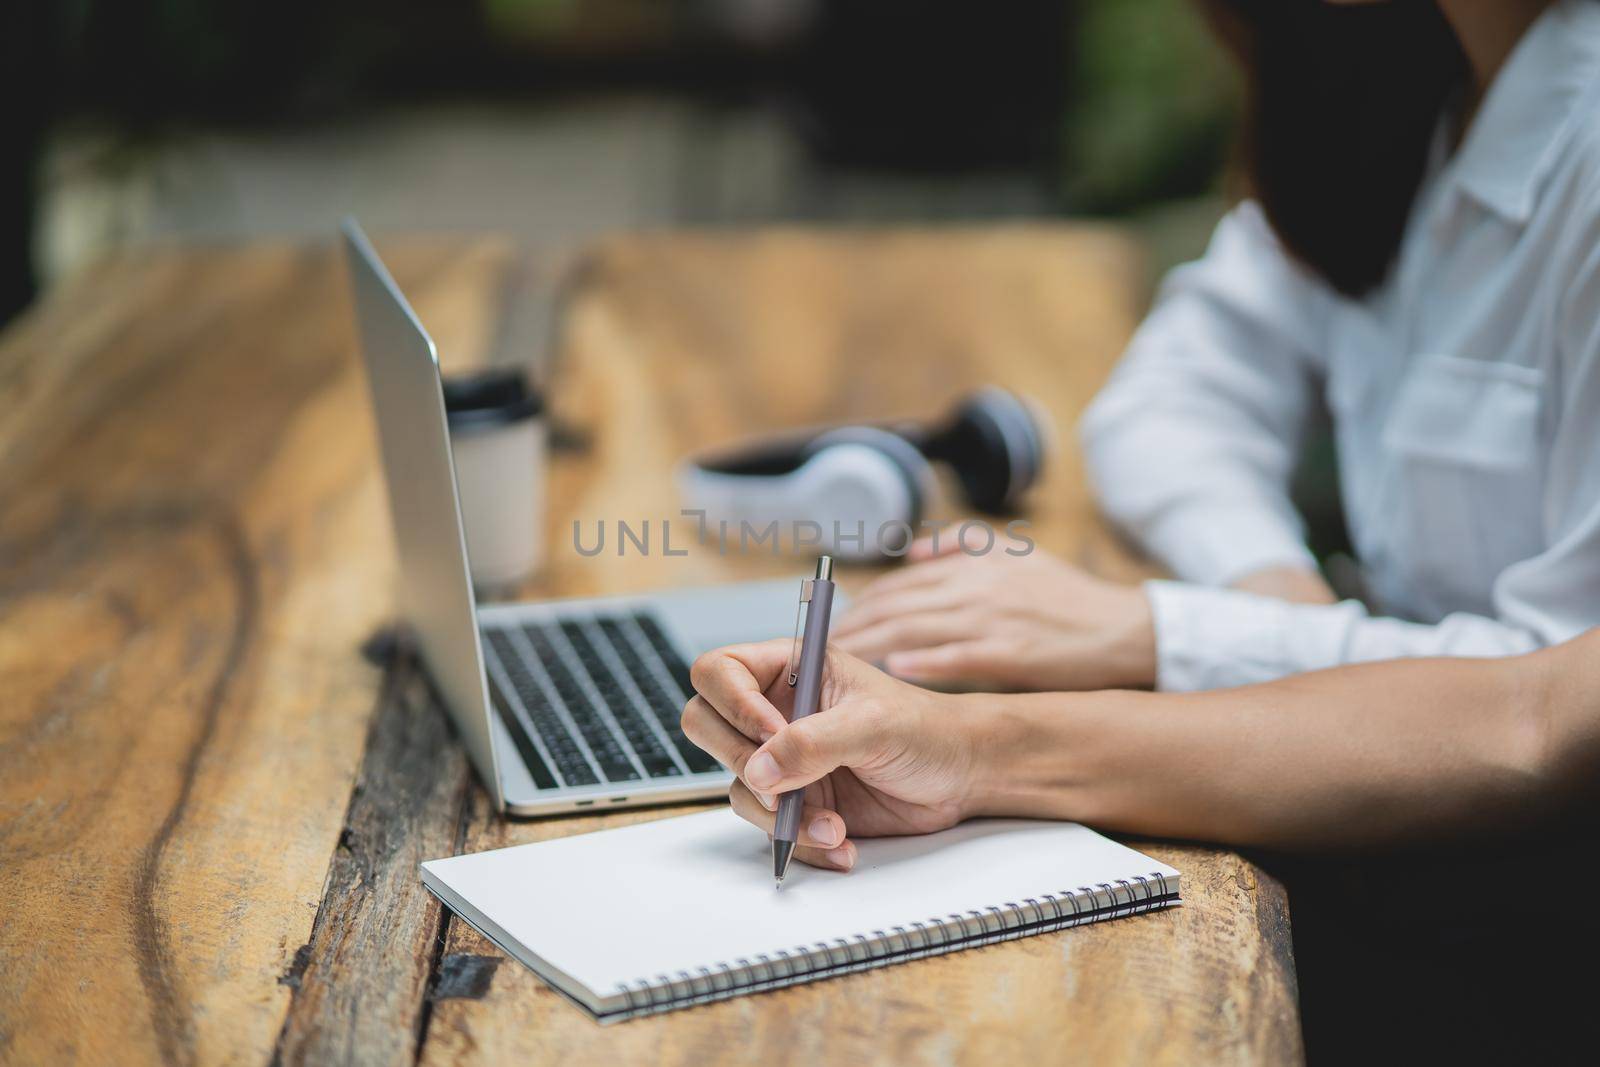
(863, 478)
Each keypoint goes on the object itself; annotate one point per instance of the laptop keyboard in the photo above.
(594, 699)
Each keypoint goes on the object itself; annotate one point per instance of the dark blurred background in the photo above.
(554, 120)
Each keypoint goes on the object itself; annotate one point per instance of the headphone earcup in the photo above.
(907, 459)
(996, 444)
(848, 484)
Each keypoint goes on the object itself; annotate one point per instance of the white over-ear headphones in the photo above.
(859, 492)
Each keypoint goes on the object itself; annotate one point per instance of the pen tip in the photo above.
(781, 852)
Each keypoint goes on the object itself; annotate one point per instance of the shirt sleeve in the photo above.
(1191, 444)
(1211, 638)
(1216, 638)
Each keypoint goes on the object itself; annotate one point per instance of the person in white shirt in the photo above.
(1451, 324)
(1434, 287)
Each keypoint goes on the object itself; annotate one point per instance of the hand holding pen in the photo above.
(878, 757)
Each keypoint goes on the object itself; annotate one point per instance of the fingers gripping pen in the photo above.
(816, 596)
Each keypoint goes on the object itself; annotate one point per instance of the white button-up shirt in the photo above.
(1464, 393)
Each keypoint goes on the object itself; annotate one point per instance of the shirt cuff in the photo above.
(1217, 544)
(1216, 638)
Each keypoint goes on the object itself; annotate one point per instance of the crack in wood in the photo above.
(465, 817)
(297, 967)
(464, 976)
(361, 985)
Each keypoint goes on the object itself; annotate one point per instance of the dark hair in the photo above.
(1342, 104)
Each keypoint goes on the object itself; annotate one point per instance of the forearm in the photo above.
(1369, 754)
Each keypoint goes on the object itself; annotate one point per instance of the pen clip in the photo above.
(793, 667)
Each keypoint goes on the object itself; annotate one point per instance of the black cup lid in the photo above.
(492, 397)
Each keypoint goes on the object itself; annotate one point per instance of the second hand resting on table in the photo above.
(1019, 622)
(1375, 753)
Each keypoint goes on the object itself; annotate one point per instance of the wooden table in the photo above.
(212, 806)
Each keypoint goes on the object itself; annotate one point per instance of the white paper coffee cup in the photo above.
(498, 438)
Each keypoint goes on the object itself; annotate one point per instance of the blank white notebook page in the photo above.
(680, 894)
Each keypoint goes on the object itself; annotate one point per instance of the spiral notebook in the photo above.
(677, 912)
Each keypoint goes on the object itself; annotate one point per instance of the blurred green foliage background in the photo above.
(1153, 105)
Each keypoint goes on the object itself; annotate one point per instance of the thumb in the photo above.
(846, 735)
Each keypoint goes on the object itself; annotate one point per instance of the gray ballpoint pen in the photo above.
(806, 677)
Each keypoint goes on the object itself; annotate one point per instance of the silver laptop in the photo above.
(563, 705)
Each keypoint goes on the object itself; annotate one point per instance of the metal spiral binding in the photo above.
(877, 948)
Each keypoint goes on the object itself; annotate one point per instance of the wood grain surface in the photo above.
(212, 803)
